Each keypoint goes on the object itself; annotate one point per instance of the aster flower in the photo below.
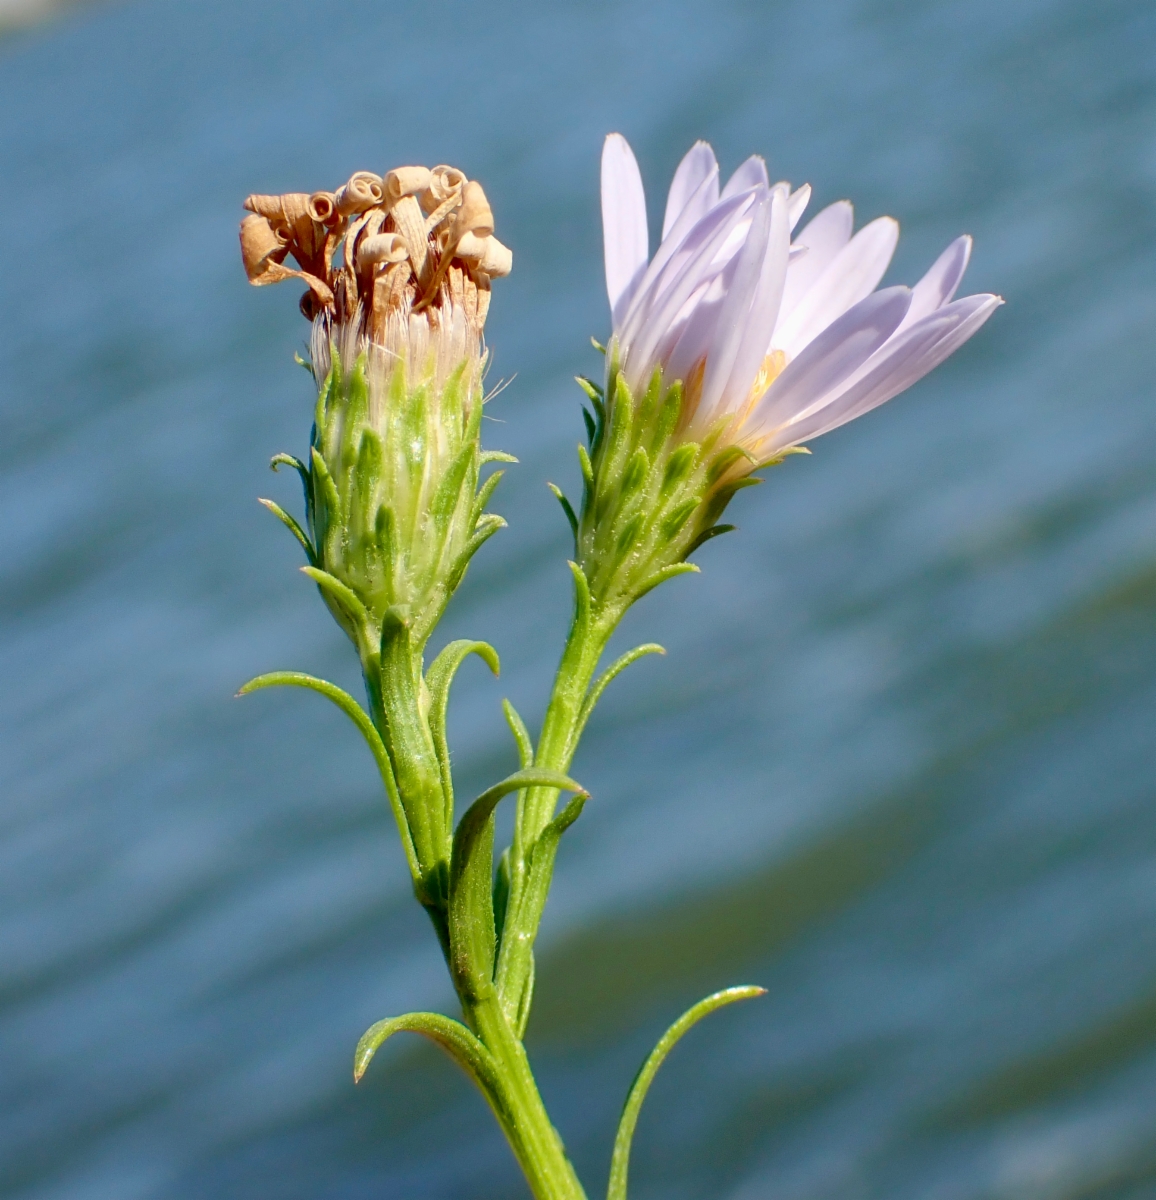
(732, 346)
(789, 340)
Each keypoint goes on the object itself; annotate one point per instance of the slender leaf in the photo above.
(620, 1161)
(567, 508)
(438, 679)
(293, 528)
(333, 589)
(611, 673)
(360, 718)
(521, 735)
(471, 905)
(452, 1036)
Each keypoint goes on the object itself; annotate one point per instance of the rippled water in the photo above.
(897, 766)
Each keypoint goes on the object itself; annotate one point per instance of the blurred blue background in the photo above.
(897, 766)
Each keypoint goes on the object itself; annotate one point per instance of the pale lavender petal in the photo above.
(915, 352)
(676, 242)
(657, 285)
(824, 235)
(938, 286)
(698, 165)
(759, 322)
(688, 272)
(740, 295)
(799, 200)
(624, 234)
(752, 174)
(850, 276)
(831, 357)
(695, 332)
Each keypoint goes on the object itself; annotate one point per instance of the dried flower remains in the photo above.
(379, 251)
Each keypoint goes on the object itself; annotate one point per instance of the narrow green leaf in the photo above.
(581, 598)
(323, 480)
(293, 528)
(611, 673)
(648, 585)
(571, 516)
(522, 1016)
(289, 460)
(591, 426)
(592, 390)
(706, 535)
(501, 896)
(360, 718)
(471, 904)
(725, 461)
(438, 679)
(493, 456)
(620, 1162)
(598, 345)
(540, 873)
(587, 468)
(485, 492)
(452, 1036)
(521, 735)
(333, 589)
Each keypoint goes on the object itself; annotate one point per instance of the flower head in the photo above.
(398, 271)
(732, 346)
(784, 339)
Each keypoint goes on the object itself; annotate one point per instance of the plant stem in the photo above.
(527, 1126)
(556, 746)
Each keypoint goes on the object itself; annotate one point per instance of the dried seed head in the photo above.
(380, 253)
(405, 181)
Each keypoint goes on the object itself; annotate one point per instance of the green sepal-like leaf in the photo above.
(678, 516)
(293, 528)
(485, 492)
(571, 515)
(581, 600)
(360, 718)
(648, 585)
(591, 426)
(521, 735)
(589, 387)
(679, 466)
(323, 480)
(471, 903)
(493, 456)
(668, 416)
(289, 460)
(335, 591)
(725, 461)
(452, 1036)
(706, 535)
(611, 673)
(587, 468)
(487, 525)
(620, 1162)
(438, 679)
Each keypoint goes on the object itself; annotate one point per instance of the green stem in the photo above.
(532, 1137)
(589, 634)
